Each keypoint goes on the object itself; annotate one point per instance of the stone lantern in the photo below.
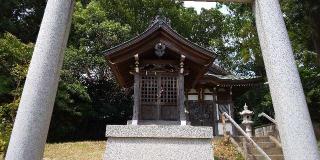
(247, 119)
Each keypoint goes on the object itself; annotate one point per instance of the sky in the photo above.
(207, 5)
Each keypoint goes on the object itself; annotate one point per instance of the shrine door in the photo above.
(159, 97)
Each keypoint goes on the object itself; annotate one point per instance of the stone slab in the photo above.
(158, 149)
(157, 122)
(159, 131)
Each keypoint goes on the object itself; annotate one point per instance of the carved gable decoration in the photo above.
(160, 49)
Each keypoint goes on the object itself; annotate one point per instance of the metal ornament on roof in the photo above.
(161, 18)
(160, 49)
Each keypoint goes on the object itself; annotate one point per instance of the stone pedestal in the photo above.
(158, 142)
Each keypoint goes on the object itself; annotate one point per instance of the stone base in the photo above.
(153, 142)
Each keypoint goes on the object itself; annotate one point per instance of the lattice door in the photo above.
(149, 89)
(159, 97)
(168, 90)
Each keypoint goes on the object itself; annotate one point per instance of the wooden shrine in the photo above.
(175, 81)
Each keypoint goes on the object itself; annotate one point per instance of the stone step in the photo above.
(260, 157)
(256, 139)
(263, 145)
(261, 139)
(270, 151)
(267, 145)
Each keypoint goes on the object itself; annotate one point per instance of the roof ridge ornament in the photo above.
(161, 19)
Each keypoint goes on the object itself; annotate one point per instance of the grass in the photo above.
(94, 150)
(86, 150)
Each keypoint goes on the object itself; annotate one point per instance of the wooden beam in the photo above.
(159, 61)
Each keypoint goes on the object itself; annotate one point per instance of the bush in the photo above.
(5, 131)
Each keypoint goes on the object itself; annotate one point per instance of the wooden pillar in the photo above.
(216, 110)
(216, 102)
(230, 102)
(158, 107)
(231, 110)
(136, 88)
(181, 92)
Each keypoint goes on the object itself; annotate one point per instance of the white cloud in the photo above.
(206, 5)
(198, 5)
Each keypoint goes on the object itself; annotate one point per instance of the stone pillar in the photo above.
(295, 127)
(31, 125)
(136, 89)
(181, 92)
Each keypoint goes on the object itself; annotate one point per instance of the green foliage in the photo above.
(88, 92)
(300, 18)
(72, 107)
(5, 131)
(244, 53)
(93, 32)
(139, 13)
(303, 22)
(21, 18)
(201, 29)
(258, 100)
(310, 78)
(7, 116)
(14, 60)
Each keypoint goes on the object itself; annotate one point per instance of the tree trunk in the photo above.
(315, 21)
(313, 9)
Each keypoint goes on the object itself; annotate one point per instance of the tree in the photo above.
(21, 18)
(301, 17)
(14, 61)
(303, 22)
(88, 92)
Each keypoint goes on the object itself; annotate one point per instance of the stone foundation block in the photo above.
(153, 142)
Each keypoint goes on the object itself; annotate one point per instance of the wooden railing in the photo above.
(247, 137)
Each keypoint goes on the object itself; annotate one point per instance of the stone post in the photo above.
(183, 120)
(247, 119)
(32, 122)
(295, 127)
(136, 88)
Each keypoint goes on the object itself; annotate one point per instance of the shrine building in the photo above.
(175, 81)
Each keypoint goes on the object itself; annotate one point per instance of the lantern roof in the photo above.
(246, 111)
